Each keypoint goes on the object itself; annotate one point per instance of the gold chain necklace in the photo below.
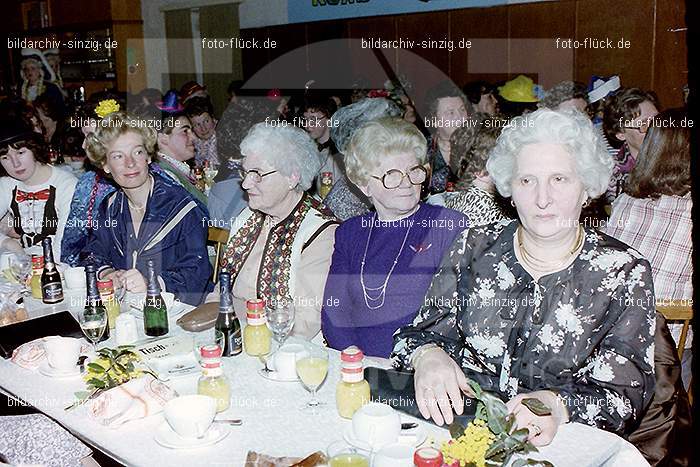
(545, 266)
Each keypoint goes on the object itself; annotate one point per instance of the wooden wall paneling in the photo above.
(287, 62)
(487, 58)
(630, 20)
(534, 28)
(253, 59)
(670, 53)
(129, 37)
(328, 51)
(365, 66)
(125, 10)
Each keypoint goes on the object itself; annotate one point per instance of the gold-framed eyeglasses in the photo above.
(392, 178)
(255, 175)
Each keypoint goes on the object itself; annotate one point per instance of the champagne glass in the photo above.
(280, 321)
(312, 368)
(93, 326)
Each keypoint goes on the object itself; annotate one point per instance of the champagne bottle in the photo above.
(51, 287)
(155, 313)
(93, 303)
(227, 321)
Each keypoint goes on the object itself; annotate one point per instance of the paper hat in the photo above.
(519, 89)
(600, 88)
(37, 54)
(189, 88)
(170, 103)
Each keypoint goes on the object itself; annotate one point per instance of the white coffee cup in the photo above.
(75, 277)
(376, 424)
(394, 455)
(284, 361)
(190, 416)
(62, 352)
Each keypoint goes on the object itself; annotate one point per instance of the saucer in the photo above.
(274, 376)
(413, 437)
(47, 370)
(167, 437)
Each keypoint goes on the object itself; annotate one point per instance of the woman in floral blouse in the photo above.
(540, 307)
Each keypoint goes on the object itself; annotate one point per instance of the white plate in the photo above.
(413, 437)
(274, 376)
(166, 437)
(47, 370)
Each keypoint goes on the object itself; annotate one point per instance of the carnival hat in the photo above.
(12, 131)
(189, 89)
(519, 89)
(600, 88)
(170, 103)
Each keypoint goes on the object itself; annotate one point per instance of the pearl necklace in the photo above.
(381, 289)
(546, 266)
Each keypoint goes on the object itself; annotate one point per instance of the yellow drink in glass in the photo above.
(312, 370)
(349, 460)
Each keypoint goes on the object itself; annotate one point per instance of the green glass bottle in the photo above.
(227, 322)
(93, 302)
(155, 313)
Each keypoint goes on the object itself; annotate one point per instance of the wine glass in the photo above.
(312, 368)
(20, 267)
(280, 321)
(93, 326)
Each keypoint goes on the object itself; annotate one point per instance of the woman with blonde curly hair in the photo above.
(148, 217)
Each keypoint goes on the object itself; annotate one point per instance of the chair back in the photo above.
(675, 312)
(219, 237)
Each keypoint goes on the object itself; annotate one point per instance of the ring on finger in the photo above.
(536, 429)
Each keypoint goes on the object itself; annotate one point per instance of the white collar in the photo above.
(178, 165)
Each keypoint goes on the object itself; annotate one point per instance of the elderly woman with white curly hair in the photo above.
(280, 246)
(541, 307)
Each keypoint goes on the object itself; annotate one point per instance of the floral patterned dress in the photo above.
(586, 332)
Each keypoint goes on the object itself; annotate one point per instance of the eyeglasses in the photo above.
(255, 175)
(642, 127)
(393, 178)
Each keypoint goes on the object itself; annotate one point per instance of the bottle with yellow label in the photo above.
(213, 383)
(256, 335)
(35, 281)
(106, 288)
(352, 391)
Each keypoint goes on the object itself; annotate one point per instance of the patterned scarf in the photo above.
(273, 277)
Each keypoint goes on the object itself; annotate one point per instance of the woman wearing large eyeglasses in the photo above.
(280, 246)
(384, 260)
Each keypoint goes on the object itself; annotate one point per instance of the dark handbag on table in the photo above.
(395, 388)
(57, 324)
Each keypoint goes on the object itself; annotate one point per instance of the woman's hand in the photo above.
(134, 281)
(542, 428)
(439, 384)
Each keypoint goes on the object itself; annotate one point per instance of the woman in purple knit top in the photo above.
(383, 261)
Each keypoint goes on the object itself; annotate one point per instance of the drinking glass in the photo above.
(280, 321)
(312, 368)
(20, 267)
(93, 326)
(343, 454)
(204, 338)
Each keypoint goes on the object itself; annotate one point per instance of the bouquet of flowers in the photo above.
(111, 368)
(490, 439)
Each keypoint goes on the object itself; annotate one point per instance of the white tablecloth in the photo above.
(273, 423)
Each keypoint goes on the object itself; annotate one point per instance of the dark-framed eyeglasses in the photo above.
(642, 126)
(255, 175)
(393, 177)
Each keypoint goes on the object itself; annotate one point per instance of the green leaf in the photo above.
(97, 383)
(537, 407)
(476, 389)
(510, 423)
(456, 429)
(496, 411)
(96, 367)
(121, 368)
(104, 353)
(520, 435)
(81, 395)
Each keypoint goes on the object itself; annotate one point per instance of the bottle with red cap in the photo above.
(106, 289)
(352, 391)
(256, 335)
(427, 457)
(213, 382)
